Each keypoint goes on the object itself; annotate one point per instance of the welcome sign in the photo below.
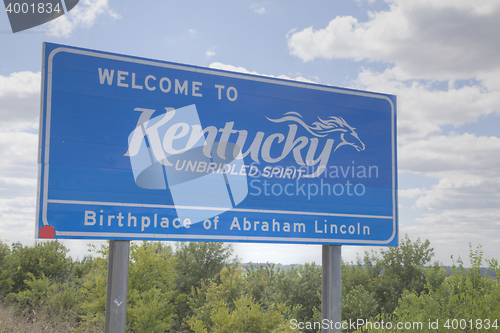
(133, 148)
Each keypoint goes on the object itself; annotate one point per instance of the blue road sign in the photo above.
(134, 148)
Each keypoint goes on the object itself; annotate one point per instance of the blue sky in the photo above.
(439, 57)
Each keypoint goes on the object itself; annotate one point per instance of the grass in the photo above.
(11, 322)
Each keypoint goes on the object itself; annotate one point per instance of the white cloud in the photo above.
(427, 39)
(465, 219)
(20, 101)
(462, 190)
(423, 109)
(258, 8)
(19, 153)
(449, 237)
(465, 152)
(19, 111)
(290, 32)
(84, 14)
(20, 84)
(210, 53)
(458, 190)
(192, 32)
(218, 65)
(18, 179)
(16, 207)
(410, 193)
(463, 206)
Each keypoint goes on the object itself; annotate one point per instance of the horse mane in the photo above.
(319, 128)
(322, 127)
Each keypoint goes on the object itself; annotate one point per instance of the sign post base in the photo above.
(331, 287)
(117, 286)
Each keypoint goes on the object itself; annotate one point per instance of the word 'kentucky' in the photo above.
(192, 134)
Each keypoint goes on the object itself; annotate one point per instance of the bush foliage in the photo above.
(199, 287)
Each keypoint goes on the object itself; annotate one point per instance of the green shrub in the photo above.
(44, 259)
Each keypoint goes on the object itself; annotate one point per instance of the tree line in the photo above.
(201, 287)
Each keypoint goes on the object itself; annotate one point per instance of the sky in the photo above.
(440, 58)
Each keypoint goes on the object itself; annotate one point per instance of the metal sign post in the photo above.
(117, 285)
(331, 292)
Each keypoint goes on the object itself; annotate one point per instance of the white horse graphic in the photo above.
(322, 128)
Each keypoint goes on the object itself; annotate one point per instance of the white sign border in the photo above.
(46, 201)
